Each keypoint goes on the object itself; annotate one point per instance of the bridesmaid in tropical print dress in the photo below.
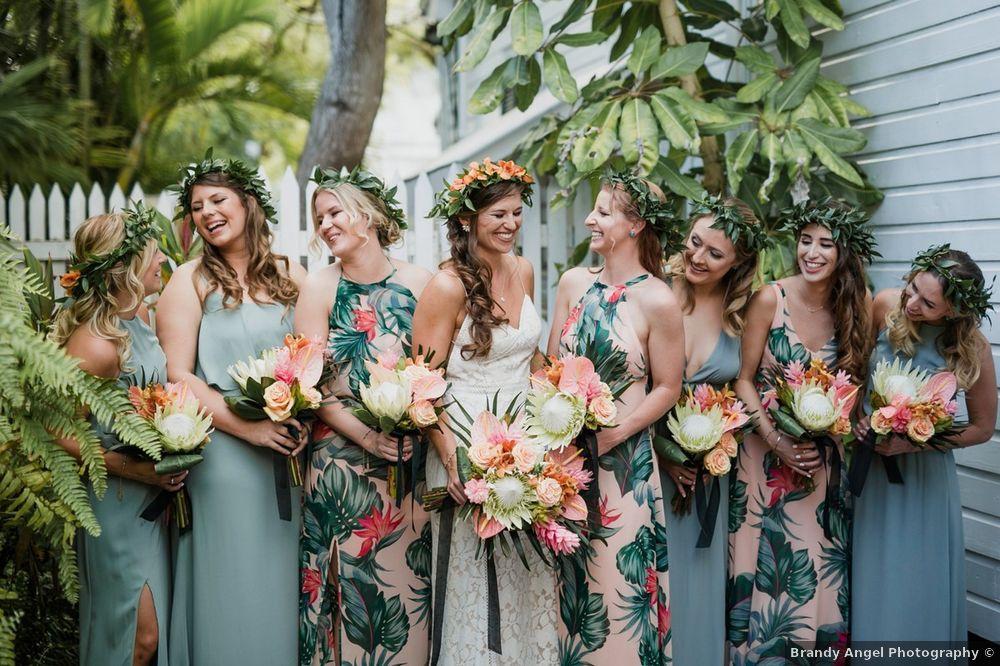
(124, 572)
(365, 557)
(712, 279)
(614, 597)
(788, 574)
(917, 525)
(236, 570)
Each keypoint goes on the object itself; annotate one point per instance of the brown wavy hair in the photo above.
(473, 271)
(98, 310)
(958, 344)
(650, 250)
(852, 320)
(263, 273)
(738, 281)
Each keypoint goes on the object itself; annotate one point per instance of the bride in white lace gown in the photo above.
(488, 330)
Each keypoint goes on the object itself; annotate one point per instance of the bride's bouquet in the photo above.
(400, 399)
(183, 426)
(280, 384)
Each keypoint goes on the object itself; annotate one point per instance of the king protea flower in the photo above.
(897, 379)
(387, 395)
(510, 502)
(696, 430)
(183, 425)
(254, 368)
(554, 418)
(815, 409)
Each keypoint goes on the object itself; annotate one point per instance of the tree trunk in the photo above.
(352, 89)
(715, 178)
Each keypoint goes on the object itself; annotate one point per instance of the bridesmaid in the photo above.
(712, 279)
(125, 572)
(917, 526)
(823, 311)
(236, 569)
(363, 305)
(614, 600)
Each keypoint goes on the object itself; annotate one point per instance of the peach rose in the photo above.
(841, 426)
(717, 462)
(312, 396)
(549, 492)
(525, 456)
(278, 401)
(603, 409)
(920, 429)
(483, 453)
(881, 422)
(422, 413)
(729, 444)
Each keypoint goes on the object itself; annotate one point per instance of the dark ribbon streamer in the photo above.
(282, 486)
(833, 463)
(864, 453)
(708, 511)
(592, 495)
(156, 508)
(399, 483)
(493, 606)
(441, 577)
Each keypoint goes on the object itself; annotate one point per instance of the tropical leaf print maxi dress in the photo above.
(788, 582)
(365, 562)
(614, 597)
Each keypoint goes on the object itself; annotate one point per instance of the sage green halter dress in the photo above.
(698, 575)
(130, 552)
(237, 577)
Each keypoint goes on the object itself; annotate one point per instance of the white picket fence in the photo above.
(47, 222)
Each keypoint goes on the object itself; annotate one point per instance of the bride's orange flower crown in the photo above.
(455, 197)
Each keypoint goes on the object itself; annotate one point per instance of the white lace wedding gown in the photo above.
(528, 598)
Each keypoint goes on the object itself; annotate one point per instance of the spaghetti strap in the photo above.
(517, 269)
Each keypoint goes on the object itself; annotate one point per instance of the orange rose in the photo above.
(920, 429)
(841, 426)
(422, 413)
(880, 422)
(69, 279)
(717, 462)
(729, 444)
(278, 401)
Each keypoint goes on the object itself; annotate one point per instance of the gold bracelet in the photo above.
(447, 463)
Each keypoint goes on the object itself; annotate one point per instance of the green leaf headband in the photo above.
(328, 179)
(966, 294)
(847, 224)
(657, 214)
(86, 273)
(245, 177)
(456, 197)
(730, 221)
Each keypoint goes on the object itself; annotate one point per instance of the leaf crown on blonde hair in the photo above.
(730, 220)
(238, 171)
(328, 179)
(658, 214)
(966, 294)
(847, 224)
(86, 273)
(456, 197)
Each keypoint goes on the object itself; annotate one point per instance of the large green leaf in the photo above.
(594, 150)
(680, 60)
(526, 32)
(821, 14)
(756, 59)
(755, 90)
(556, 74)
(839, 139)
(645, 50)
(583, 613)
(204, 23)
(98, 15)
(678, 183)
(781, 570)
(738, 156)
(582, 38)
(739, 594)
(490, 91)
(703, 112)
(679, 127)
(634, 558)
(371, 620)
(482, 38)
(791, 19)
(795, 88)
(524, 94)
(639, 137)
(455, 18)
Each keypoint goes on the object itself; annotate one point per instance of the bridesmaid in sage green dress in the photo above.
(124, 572)
(916, 526)
(712, 278)
(236, 569)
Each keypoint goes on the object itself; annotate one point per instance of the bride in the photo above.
(477, 314)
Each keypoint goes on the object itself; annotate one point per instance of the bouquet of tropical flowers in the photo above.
(908, 402)
(706, 427)
(184, 427)
(399, 400)
(281, 384)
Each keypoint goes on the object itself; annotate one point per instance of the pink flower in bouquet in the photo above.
(557, 537)
(549, 492)
(278, 401)
(941, 387)
(388, 359)
(795, 373)
(485, 526)
(702, 395)
(490, 438)
(951, 407)
(301, 359)
(729, 444)
(847, 395)
(881, 420)
(477, 490)
(574, 507)
(525, 456)
(426, 384)
(603, 408)
(901, 417)
(579, 378)
(422, 413)
(312, 396)
(920, 429)
(483, 452)
(570, 463)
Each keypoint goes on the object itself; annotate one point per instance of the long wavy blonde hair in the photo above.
(738, 281)
(98, 311)
(959, 344)
(365, 211)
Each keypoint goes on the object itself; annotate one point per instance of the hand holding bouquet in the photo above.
(184, 427)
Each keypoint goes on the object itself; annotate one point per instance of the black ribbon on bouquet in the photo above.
(864, 453)
(591, 496)
(156, 508)
(708, 511)
(282, 482)
(441, 576)
(399, 483)
(833, 463)
(492, 606)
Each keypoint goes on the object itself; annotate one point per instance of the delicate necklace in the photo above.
(503, 299)
(815, 310)
(392, 269)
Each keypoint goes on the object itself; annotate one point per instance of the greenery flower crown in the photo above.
(245, 177)
(730, 221)
(86, 273)
(328, 179)
(847, 224)
(658, 214)
(456, 197)
(966, 294)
